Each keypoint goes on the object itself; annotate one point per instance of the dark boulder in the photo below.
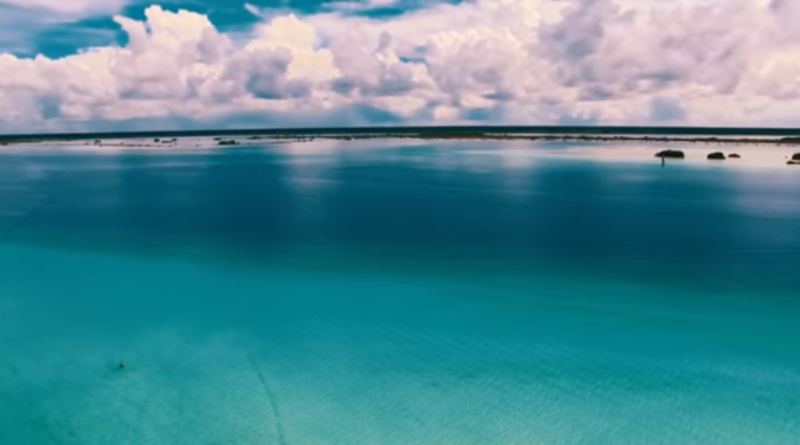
(230, 142)
(796, 157)
(673, 154)
(793, 162)
(717, 155)
(734, 156)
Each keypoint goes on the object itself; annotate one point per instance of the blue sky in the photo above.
(64, 38)
(121, 64)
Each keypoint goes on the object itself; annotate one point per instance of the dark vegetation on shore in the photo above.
(561, 138)
(670, 154)
(725, 135)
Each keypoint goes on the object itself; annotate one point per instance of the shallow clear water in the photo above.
(378, 292)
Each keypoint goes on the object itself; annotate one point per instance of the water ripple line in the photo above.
(272, 400)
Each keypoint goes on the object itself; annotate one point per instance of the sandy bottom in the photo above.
(216, 356)
(751, 156)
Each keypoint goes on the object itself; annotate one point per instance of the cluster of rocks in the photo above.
(716, 156)
(720, 156)
(671, 154)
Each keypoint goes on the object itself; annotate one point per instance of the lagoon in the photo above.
(396, 292)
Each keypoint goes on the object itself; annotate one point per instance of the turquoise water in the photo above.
(386, 293)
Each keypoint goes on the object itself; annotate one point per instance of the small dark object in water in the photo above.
(675, 154)
(734, 156)
(717, 155)
(793, 162)
(231, 142)
(122, 364)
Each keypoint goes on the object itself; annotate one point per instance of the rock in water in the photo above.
(796, 157)
(734, 156)
(717, 155)
(673, 154)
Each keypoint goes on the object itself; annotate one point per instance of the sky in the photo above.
(122, 65)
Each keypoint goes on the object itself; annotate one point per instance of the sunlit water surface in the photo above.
(387, 293)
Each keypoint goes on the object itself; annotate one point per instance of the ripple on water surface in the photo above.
(394, 296)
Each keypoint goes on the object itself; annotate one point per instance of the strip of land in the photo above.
(708, 135)
(774, 146)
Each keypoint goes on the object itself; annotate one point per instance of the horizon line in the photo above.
(453, 130)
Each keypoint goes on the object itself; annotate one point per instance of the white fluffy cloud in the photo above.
(77, 8)
(704, 62)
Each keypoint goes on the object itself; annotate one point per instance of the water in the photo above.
(379, 292)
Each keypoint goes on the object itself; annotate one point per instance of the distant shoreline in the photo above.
(708, 135)
(757, 150)
(239, 137)
(788, 141)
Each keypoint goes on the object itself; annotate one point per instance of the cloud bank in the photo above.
(613, 62)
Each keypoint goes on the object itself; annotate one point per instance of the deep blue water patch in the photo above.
(378, 291)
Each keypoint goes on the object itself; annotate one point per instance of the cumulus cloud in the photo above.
(703, 62)
(71, 7)
(353, 6)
